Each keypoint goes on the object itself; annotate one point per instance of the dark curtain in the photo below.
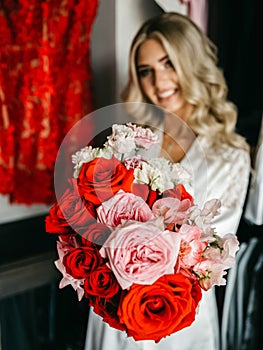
(236, 28)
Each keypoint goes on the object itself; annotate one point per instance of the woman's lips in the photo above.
(166, 94)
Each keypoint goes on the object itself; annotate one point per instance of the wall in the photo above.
(10, 212)
(130, 14)
(116, 23)
(103, 54)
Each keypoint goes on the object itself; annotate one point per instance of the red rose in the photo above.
(96, 233)
(102, 283)
(155, 311)
(108, 312)
(101, 178)
(153, 196)
(144, 191)
(70, 213)
(56, 222)
(79, 262)
(140, 190)
(178, 192)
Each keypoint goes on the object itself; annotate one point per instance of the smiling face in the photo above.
(159, 80)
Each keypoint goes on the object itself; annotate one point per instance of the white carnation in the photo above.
(154, 174)
(179, 174)
(104, 153)
(122, 139)
(85, 155)
(169, 174)
(144, 137)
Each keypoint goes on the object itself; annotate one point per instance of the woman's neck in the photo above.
(177, 138)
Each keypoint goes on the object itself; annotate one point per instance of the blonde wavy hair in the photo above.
(194, 57)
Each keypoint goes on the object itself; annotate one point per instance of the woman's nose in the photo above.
(160, 78)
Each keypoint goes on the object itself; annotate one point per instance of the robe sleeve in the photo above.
(234, 183)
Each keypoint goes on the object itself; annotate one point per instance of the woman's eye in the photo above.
(142, 73)
(169, 64)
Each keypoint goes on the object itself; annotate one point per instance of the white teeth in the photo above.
(165, 94)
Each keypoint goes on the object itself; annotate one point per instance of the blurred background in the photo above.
(59, 61)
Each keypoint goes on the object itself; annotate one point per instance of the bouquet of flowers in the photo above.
(131, 239)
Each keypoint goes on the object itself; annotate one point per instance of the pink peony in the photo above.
(141, 252)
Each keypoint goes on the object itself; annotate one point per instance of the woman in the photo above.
(173, 66)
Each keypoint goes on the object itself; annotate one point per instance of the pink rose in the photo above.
(123, 206)
(172, 209)
(141, 252)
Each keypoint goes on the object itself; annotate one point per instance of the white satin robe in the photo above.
(219, 174)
